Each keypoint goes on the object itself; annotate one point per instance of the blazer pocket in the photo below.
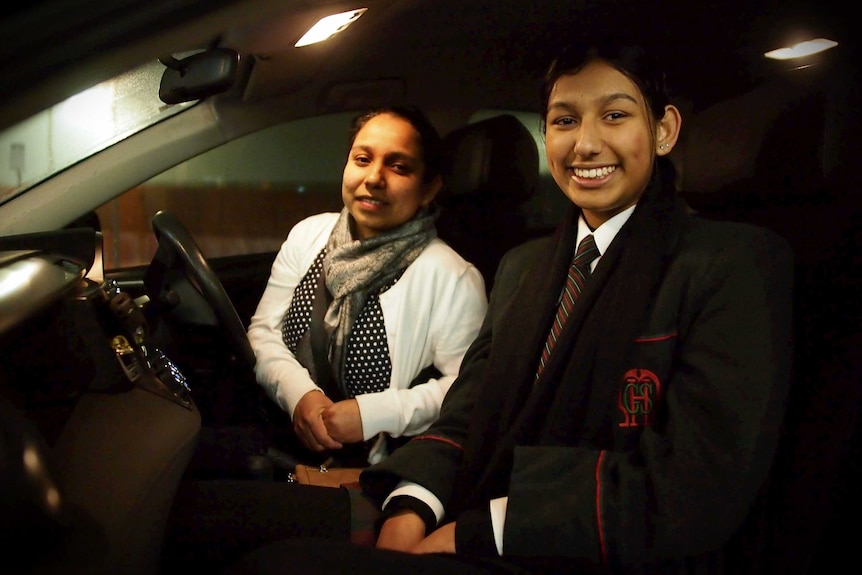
(642, 383)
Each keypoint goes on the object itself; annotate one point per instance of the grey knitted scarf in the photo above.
(356, 268)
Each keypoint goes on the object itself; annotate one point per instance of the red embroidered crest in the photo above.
(639, 392)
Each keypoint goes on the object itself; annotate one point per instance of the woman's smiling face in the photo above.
(383, 185)
(599, 140)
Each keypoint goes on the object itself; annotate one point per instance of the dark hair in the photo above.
(631, 60)
(429, 138)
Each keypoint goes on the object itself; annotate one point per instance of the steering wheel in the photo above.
(178, 252)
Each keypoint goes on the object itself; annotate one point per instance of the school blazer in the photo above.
(662, 472)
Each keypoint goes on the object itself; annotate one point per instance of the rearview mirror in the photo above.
(197, 76)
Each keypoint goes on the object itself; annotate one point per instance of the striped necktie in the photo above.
(578, 272)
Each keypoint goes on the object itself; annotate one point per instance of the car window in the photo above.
(244, 196)
(239, 198)
(80, 126)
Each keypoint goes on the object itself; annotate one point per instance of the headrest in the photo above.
(497, 156)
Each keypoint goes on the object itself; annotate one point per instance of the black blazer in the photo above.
(649, 457)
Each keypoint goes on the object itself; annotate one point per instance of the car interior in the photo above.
(491, 169)
(128, 277)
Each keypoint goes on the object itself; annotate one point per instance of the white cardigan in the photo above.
(431, 315)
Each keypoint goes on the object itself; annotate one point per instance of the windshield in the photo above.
(80, 126)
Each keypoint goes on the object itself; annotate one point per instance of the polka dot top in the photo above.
(367, 368)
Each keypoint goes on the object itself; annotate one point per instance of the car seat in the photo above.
(802, 187)
(490, 171)
(89, 459)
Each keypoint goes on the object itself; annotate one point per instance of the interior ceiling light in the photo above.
(329, 26)
(801, 49)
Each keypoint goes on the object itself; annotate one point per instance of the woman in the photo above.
(637, 437)
(403, 304)
(401, 299)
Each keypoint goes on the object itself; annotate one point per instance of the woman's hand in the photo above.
(308, 422)
(343, 421)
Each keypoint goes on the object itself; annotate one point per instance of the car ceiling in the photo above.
(54, 49)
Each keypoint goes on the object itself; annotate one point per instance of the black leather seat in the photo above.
(490, 171)
(89, 461)
(813, 490)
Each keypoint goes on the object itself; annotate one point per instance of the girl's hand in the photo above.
(441, 540)
(401, 532)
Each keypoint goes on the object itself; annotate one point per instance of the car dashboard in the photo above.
(86, 394)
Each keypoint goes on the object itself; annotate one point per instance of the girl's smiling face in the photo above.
(601, 140)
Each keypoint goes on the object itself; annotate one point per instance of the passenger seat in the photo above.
(490, 171)
(802, 187)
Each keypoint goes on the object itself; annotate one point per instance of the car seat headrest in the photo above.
(497, 156)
